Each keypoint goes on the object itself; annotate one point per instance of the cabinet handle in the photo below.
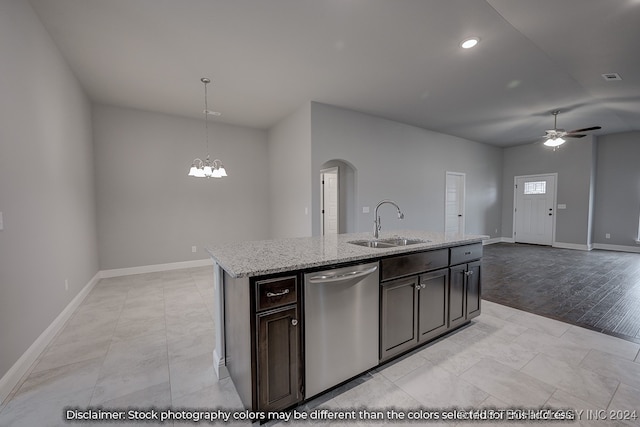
(423, 286)
(467, 253)
(277, 294)
(418, 287)
(294, 322)
(469, 273)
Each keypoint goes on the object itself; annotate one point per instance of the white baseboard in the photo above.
(619, 248)
(576, 246)
(22, 365)
(497, 240)
(117, 272)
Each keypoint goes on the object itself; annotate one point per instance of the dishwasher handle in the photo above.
(343, 277)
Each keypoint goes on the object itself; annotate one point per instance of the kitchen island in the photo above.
(421, 290)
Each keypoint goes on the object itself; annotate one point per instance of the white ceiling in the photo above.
(398, 59)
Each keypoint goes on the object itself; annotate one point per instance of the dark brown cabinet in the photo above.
(279, 337)
(399, 316)
(279, 381)
(263, 338)
(464, 284)
(414, 308)
(426, 294)
(433, 310)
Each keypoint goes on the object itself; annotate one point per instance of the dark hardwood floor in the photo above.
(599, 290)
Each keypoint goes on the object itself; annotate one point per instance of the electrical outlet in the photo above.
(194, 249)
(66, 284)
(607, 236)
(365, 209)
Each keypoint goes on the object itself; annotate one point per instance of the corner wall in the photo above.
(617, 207)
(290, 178)
(149, 211)
(407, 164)
(46, 184)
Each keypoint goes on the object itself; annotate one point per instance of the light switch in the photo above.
(1, 222)
(365, 209)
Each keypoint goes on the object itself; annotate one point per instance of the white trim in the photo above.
(117, 272)
(492, 241)
(619, 248)
(22, 365)
(576, 246)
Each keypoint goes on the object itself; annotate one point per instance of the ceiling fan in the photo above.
(555, 137)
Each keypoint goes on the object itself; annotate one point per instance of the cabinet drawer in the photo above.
(463, 254)
(413, 263)
(276, 292)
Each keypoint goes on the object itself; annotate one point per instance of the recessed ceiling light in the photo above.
(469, 43)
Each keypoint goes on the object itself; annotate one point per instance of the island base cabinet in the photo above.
(398, 316)
(474, 292)
(433, 304)
(279, 359)
(464, 293)
(413, 310)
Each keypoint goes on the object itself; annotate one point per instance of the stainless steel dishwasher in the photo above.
(341, 325)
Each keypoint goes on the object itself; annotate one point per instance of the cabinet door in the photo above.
(473, 289)
(433, 304)
(398, 320)
(457, 292)
(279, 359)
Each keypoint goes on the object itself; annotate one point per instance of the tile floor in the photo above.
(146, 341)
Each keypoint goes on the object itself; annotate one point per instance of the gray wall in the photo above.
(406, 164)
(289, 175)
(150, 211)
(617, 206)
(46, 183)
(574, 164)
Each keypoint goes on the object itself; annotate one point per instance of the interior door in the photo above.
(534, 215)
(454, 203)
(329, 200)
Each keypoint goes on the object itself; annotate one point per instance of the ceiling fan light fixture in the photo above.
(554, 142)
(469, 43)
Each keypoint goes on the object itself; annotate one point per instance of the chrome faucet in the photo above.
(376, 221)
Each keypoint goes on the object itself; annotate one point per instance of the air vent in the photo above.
(611, 76)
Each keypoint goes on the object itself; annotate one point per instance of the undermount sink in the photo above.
(388, 243)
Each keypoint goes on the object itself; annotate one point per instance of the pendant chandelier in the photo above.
(207, 168)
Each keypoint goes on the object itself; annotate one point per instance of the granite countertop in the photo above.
(261, 257)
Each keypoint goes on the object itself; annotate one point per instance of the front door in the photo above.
(534, 215)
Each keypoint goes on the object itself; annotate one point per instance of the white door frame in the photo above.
(555, 203)
(462, 197)
(322, 172)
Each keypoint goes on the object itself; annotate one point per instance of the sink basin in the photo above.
(401, 241)
(373, 244)
(388, 243)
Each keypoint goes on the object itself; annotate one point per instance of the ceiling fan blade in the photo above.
(585, 129)
(574, 135)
